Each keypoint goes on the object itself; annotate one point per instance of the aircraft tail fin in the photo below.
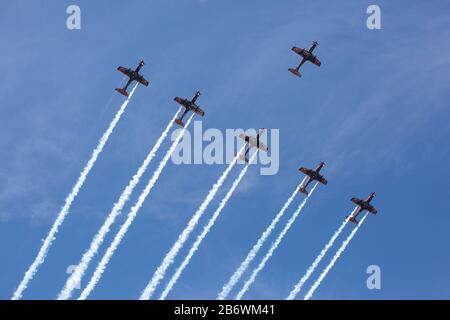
(295, 72)
(122, 91)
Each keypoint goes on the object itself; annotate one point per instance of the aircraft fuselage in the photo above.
(365, 205)
(134, 75)
(315, 175)
(308, 55)
(189, 105)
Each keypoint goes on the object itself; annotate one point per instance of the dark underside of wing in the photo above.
(199, 111)
(322, 180)
(125, 71)
(356, 201)
(299, 51)
(373, 210)
(306, 171)
(143, 81)
(316, 61)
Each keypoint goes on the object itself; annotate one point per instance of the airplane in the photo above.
(189, 106)
(362, 206)
(307, 56)
(133, 75)
(313, 175)
(252, 142)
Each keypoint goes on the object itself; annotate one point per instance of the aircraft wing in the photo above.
(316, 62)
(322, 180)
(242, 136)
(357, 201)
(373, 210)
(263, 147)
(143, 81)
(253, 142)
(125, 71)
(180, 101)
(306, 171)
(199, 111)
(299, 51)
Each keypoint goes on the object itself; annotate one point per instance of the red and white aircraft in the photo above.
(307, 55)
(363, 205)
(133, 75)
(252, 142)
(189, 105)
(313, 175)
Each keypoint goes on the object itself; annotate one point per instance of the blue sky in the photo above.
(376, 112)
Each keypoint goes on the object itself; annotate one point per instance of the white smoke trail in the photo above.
(131, 215)
(42, 254)
(252, 254)
(333, 261)
(206, 230)
(80, 270)
(274, 246)
(170, 256)
(316, 262)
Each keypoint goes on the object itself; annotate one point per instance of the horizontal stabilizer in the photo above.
(179, 122)
(122, 91)
(295, 72)
(303, 190)
(243, 157)
(353, 219)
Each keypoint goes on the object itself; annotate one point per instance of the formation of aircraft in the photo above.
(363, 205)
(133, 75)
(313, 175)
(307, 55)
(189, 105)
(252, 142)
